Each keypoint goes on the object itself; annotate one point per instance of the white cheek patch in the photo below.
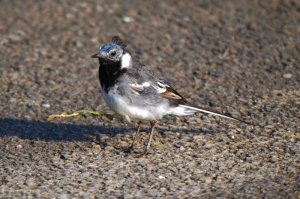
(126, 61)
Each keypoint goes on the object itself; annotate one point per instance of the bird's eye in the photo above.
(112, 53)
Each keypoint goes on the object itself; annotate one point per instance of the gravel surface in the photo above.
(240, 57)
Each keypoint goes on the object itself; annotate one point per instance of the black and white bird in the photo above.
(133, 91)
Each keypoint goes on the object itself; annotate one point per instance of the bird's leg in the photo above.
(153, 125)
(135, 136)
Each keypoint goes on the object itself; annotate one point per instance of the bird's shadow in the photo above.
(47, 131)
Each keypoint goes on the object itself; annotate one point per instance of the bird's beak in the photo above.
(96, 55)
(99, 54)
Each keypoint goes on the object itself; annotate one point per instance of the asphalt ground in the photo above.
(237, 57)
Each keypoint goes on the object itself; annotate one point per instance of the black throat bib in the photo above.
(109, 72)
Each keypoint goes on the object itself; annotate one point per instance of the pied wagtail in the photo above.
(133, 91)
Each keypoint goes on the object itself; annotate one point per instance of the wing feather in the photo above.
(163, 89)
(166, 91)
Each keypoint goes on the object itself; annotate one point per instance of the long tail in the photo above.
(212, 113)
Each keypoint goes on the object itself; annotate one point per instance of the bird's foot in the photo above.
(145, 152)
(137, 151)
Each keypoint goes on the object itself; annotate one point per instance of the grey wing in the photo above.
(143, 88)
(139, 91)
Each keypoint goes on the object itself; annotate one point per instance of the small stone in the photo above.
(19, 146)
(163, 189)
(109, 148)
(187, 138)
(46, 105)
(94, 40)
(287, 75)
(127, 19)
(12, 99)
(96, 147)
(161, 177)
(70, 16)
(15, 38)
(99, 8)
(79, 44)
(31, 183)
(186, 19)
(208, 180)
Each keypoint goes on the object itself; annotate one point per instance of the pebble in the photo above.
(31, 182)
(12, 99)
(99, 8)
(287, 75)
(46, 105)
(96, 146)
(161, 177)
(127, 19)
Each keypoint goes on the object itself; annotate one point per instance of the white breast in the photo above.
(121, 106)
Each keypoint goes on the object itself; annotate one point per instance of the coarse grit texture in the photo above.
(238, 57)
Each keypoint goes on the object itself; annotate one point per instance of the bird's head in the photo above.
(114, 53)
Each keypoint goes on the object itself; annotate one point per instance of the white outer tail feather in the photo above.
(209, 112)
